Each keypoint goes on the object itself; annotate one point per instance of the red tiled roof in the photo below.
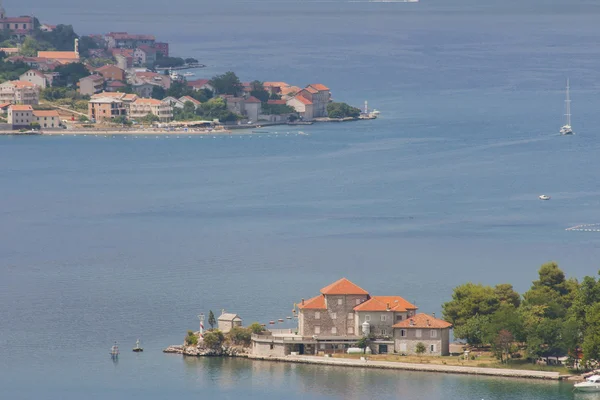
(4, 105)
(303, 100)
(316, 303)
(343, 286)
(19, 19)
(198, 82)
(21, 84)
(45, 113)
(319, 87)
(189, 98)
(116, 84)
(107, 67)
(147, 49)
(423, 321)
(312, 90)
(276, 102)
(385, 303)
(152, 102)
(252, 99)
(275, 84)
(21, 108)
(35, 71)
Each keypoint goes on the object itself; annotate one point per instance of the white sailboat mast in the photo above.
(568, 105)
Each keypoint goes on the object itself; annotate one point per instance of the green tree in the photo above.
(214, 339)
(420, 349)
(258, 91)
(469, 300)
(62, 38)
(227, 83)
(241, 336)
(87, 43)
(70, 74)
(158, 92)
(214, 108)
(149, 119)
(83, 118)
(506, 318)
(211, 319)
(507, 295)
(342, 110)
(179, 89)
(473, 330)
(363, 343)
(591, 341)
(122, 120)
(503, 345)
(191, 339)
(30, 47)
(256, 328)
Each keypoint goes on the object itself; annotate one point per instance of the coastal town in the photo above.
(52, 79)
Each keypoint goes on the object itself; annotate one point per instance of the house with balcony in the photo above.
(142, 107)
(19, 92)
(91, 85)
(111, 73)
(106, 108)
(342, 313)
(124, 40)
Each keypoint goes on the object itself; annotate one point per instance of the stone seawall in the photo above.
(512, 373)
(196, 351)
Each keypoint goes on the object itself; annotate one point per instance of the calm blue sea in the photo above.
(105, 239)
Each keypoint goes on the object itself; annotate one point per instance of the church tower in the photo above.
(2, 12)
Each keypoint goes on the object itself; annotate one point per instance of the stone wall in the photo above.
(339, 307)
(263, 349)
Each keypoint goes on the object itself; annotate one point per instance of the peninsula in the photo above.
(53, 79)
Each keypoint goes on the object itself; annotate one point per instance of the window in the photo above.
(350, 315)
(317, 330)
(317, 315)
(340, 302)
(271, 346)
(334, 330)
(350, 330)
(367, 318)
(432, 348)
(398, 317)
(418, 333)
(384, 332)
(383, 317)
(402, 332)
(433, 333)
(322, 346)
(333, 315)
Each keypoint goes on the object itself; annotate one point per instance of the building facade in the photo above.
(47, 119)
(91, 85)
(20, 116)
(145, 55)
(228, 321)
(124, 40)
(303, 106)
(422, 328)
(36, 77)
(106, 108)
(111, 73)
(343, 312)
(142, 107)
(19, 92)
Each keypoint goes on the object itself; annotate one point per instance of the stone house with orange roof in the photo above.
(303, 106)
(19, 92)
(434, 333)
(344, 312)
(36, 77)
(20, 116)
(320, 97)
(111, 72)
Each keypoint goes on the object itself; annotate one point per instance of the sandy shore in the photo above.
(66, 132)
(512, 373)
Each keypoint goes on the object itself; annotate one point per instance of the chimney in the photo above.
(427, 322)
(412, 322)
(433, 315)
(302, 301)
(388, 307)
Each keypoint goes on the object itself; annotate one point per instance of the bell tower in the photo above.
(2, 12)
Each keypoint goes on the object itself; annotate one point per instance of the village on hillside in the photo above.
(51, 78)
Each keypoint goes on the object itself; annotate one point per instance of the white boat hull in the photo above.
(588, 388)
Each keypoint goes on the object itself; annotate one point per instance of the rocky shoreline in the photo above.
(200, 351)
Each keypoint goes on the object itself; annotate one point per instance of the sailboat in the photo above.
(566, 129)
(114, 351)
(137, 347)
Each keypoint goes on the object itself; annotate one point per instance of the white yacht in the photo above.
(591, 384)
(566, 129)
(189, 74)
(544, 197)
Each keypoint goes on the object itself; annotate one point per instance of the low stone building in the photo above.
(20, 116)
(342, 313)
(47, 119)
(227, 321)
(434, 333)
(303, 106)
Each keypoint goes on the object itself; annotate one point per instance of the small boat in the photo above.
(114, 351)
(271, 322)
(566, 129)
(189, 74)
(289, 317)
(280, 320)
(137, 347)
(544, 197)
(591, 384)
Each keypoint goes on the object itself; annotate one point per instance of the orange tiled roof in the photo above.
(130, 97)
(61, 55)
(21, 108)
(316, 303)
(312, 90)
(22, 84)
(275, 84)
(45, 113)
(107, 68)
(252, 99)
(303, 100)
(423, 321)
(343, 286)
(152, 102)
(381, 303)
(319, 86)
(189, 98)
(116, 95)
(292, 89)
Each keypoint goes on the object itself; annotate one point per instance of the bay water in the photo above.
(119, 238)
